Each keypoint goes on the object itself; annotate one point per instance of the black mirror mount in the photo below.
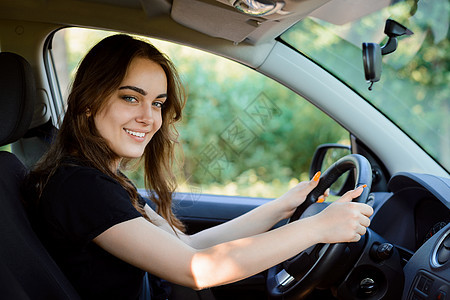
(390, 46)
(393, 29)
(372, 52)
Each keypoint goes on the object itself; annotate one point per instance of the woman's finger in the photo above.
(364, 221)
(316, 177)
(361, 230)
(356, 238)
(352, 194)
(366, 210)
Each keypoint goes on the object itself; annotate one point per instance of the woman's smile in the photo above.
(136, 134)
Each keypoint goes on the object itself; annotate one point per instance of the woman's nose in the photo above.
(146, 114)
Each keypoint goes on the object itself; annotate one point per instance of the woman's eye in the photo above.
(130, 99)
(158, 104)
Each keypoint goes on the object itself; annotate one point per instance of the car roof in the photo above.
(213, 25)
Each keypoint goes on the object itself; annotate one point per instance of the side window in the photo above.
(242, 133)
(6, 148)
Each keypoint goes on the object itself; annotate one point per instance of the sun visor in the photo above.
(220, 19)
(215, 20)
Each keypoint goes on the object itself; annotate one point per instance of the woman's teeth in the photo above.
(138, 134)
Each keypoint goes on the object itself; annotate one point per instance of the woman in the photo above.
(124, 102)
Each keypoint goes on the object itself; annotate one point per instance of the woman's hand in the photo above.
(297, 195)
(343, 220)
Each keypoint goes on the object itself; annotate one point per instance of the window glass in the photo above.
(413, 90)
(242, 133)
(6, 148)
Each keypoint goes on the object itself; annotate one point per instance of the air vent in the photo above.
(441, 253)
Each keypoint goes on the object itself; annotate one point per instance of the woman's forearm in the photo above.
(254, 222)
(235, 260)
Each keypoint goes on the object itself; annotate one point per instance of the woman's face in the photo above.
(132, 114)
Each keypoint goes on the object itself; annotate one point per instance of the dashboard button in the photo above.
(424, 284)
(427, 286)
(421, 283)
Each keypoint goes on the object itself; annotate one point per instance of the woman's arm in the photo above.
(150, 248)
(256, 221)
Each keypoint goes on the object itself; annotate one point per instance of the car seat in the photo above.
(26, 269)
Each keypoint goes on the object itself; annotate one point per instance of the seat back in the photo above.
(26, 269)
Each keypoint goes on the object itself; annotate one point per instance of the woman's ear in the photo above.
(88, 112)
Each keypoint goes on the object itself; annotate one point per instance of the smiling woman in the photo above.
(124, 103)
(108, 109)
(89, 105)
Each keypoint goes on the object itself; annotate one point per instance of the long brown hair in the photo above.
(98, 76)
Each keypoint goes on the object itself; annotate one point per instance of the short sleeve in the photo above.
(83, 203)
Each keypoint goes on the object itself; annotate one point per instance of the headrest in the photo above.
(17, 96)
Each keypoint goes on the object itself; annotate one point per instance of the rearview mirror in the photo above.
(372, 52)
(372, 62)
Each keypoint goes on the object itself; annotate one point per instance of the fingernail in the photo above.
(316, 176)
(363, 186)
(320, 199)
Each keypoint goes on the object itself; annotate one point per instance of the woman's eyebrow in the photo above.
(161, 96)
(134, 88)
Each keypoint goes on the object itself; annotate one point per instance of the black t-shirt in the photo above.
(78, 204)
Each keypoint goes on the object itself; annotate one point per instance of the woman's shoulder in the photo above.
(74, 173)
(77, 191)
(72, 163)
(76, 186)
(74, 167)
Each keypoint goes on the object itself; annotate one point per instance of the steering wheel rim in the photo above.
(280, 281)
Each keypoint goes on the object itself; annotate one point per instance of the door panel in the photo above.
(209, 210)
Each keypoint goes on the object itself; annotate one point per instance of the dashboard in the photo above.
(415, 217)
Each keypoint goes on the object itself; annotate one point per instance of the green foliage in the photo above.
(413, 90)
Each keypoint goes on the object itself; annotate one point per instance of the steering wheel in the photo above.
(298, 276)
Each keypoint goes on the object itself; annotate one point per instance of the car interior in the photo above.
(405, 253)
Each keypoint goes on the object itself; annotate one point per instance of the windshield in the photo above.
(413, 89)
